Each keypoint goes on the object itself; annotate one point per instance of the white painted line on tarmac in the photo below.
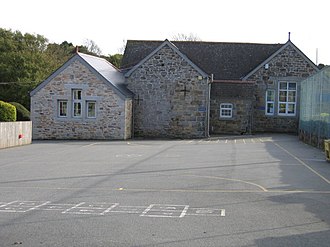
(89, 145)
(147, 210)
(6, 205)
(303, 163)
(38, 206)
(223, 213)
(76, 206)
(184, 211)
(110, 208)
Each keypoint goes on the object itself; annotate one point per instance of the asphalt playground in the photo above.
(258, 190)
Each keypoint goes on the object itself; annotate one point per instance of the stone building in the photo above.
(171, 95)
(180, 89)
(250, 87)
(84, 99)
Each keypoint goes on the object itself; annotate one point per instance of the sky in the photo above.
(110, 23)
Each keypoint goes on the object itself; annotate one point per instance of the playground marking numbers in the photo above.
(83, 208)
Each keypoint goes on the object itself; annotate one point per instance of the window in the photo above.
(62, 108)
(91, 109)
(287, 98)
(76, 102)
(270, 102)
(226, 110)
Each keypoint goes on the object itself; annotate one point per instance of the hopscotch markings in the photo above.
(55, 207)
(110, 208)
(95, 208)
(129, 209)
(206, 212)
(83, 208)
(21, 206)
(170, 211)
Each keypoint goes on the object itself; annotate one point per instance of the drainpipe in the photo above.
(209, 82)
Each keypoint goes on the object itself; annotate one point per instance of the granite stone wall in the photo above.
(289, 65)
(171, 97)
(111, 122)
(241, 95)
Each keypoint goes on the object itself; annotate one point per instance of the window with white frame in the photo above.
(226, 110)
(62, 108)
(270, 102)
(76, 103)
(287, 98)
(91, 109)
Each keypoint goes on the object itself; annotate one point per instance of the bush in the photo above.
(22, 114)
(7, 112)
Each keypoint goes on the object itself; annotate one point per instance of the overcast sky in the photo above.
(108, 23)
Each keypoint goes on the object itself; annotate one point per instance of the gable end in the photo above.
(175, 49)
(286, 45)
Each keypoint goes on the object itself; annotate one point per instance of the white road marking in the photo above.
(303, 163)
(75, 206)
(101, 209)
(89, 145)
(184, 211)
(38, 206)
(110, 208)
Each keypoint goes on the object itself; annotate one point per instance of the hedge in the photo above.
(22, 114)
(7, 112)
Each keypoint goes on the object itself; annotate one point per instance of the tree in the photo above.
(185, 37)
(24, 63)
(114, 59)
(92, 47)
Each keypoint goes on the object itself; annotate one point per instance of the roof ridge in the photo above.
(100, 58)
(205, 42)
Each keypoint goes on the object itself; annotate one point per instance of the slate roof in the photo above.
(226, 61)
(101, 67)
(108, 71)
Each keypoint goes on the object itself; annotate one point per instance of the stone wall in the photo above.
(171, 97)
(288, 65)
(111, 118)
(241, 95)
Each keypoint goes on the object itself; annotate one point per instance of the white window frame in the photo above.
(62, 109)
(88, 103)
(226, 110)
(270, 101)
(76, 103)
(287, 103)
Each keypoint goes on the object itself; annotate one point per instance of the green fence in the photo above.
(314, 124)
